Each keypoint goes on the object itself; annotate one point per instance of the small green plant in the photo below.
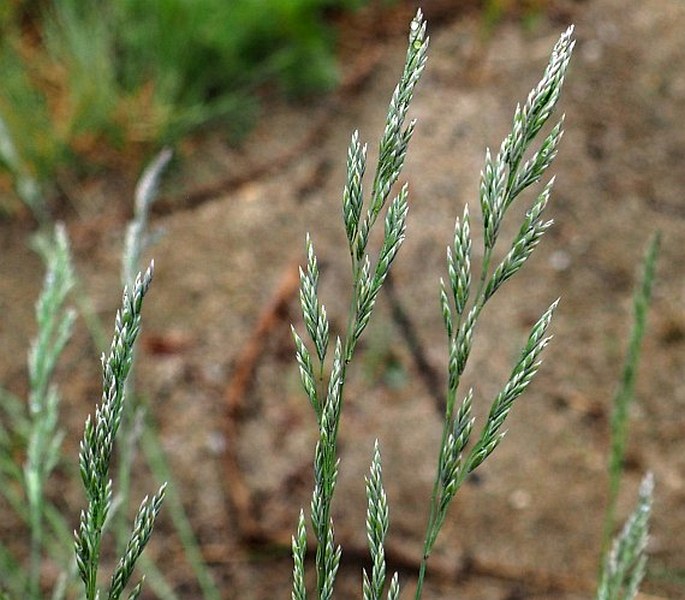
(624, 564)
(32, 427)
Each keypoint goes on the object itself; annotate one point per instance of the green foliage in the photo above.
(130, 73)
(528, 12)
(25, 152)
(195, 49)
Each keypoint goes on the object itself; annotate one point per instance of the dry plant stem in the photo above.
(236, 489)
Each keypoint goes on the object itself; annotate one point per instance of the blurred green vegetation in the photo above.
(528, 12)
(88, 84)
(87, 78)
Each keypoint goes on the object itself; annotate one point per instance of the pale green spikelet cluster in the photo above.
(376, 530)
(95, 455)
(142, 528)
(503, 178)
(299, 546)
(54, 330)
(326, 397)
(137, 236)
(624, 566)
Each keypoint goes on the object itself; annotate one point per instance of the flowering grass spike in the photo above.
(96, 452)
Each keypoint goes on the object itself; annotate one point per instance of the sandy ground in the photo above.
(530, 526)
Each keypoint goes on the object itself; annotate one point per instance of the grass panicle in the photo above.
(322, 357)
(503, 178)
(33, 428)
(96, 452)
(137, 422)
(391, 152)
(136, 241)
(138, 238)
(327, 398)
(19, 430)
(44, 438)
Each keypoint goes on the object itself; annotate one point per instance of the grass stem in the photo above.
(625, 392)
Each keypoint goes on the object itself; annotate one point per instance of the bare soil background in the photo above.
(530, 526)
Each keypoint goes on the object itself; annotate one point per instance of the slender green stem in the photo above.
(36, 525)
(485, 269)
(434, 519)
(625, 393)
